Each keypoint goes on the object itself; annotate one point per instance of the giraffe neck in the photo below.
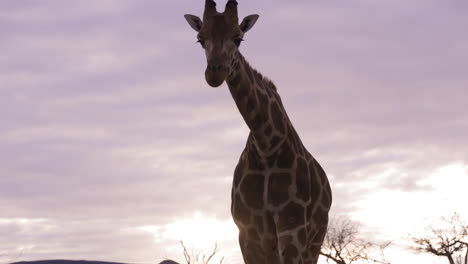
(260, 105)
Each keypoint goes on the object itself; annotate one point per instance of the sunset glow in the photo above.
(198, 231)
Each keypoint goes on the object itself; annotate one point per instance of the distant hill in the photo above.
(58, 261)
(168, 262)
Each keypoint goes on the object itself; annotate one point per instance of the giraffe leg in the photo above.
(270, 247)
(291, 250)
(312, 254)
(251, 249)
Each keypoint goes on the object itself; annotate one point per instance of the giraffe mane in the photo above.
(269, 83)
(258, 75)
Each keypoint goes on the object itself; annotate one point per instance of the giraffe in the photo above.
(280, 195)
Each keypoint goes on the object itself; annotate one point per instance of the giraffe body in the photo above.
(280, 194)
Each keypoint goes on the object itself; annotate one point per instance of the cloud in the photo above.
(108, 124)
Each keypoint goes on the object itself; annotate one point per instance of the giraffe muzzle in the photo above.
(215, 67)
(215, 75)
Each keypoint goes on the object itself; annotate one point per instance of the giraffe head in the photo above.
(220, 35)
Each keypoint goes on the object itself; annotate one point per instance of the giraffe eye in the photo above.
(202, 43)
(238, 41)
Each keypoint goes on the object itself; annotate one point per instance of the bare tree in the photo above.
(344, 245)
(197, 257)
(449, 241)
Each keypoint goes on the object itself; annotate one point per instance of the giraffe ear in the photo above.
(248, 22)
(194, 21)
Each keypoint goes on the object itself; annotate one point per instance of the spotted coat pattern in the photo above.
(280, 194)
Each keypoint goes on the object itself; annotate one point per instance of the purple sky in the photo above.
(111, 141)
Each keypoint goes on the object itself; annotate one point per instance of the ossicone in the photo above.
(210, 8)
(231, 10)
(210, 3)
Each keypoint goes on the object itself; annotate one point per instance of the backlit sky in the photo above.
(113, 147)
